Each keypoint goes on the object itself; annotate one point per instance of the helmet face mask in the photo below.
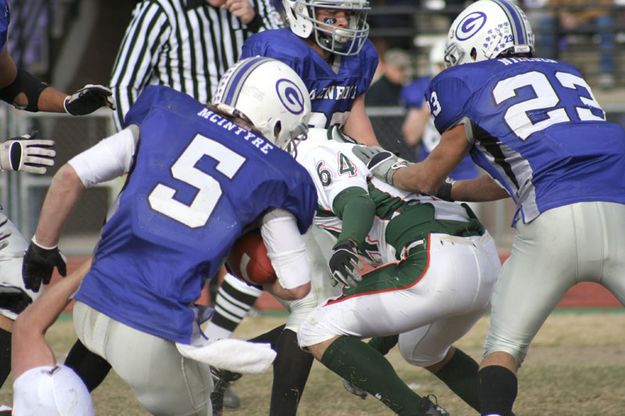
(488, 29)
(267, 93)
(303, 19)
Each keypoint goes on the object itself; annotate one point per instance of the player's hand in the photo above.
(27, 154)
(39, 263)
(382, 163)
(88, 99)
(444, 191)
(344, 264)
(14, 298)
(356, 391)
(242, 9)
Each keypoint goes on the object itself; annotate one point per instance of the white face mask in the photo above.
(304, 20)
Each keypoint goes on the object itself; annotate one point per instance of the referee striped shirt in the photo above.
(186, 47)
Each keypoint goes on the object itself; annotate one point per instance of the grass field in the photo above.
(576, 367)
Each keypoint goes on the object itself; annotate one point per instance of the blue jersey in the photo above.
(5, 19)
(197, 182)
(413, 96)
(537, 130)
(332, 89)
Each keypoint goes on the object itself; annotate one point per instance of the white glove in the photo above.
(27, 154)
(88, 99)
(380, 162)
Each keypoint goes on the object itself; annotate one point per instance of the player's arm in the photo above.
(480, 189)
(287, 251)
(29, 348)
(427, 176)
(356, 210)
(414, 124)
(143, 42)
(108, 159)
(358, 124)
(24, 91)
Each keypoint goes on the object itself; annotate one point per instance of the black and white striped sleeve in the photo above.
(270, 17)
(145, 38)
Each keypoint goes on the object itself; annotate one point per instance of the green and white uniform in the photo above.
(438, 265)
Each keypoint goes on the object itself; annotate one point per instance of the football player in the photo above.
(198, 177)
(436, 269)
(42, 386)
(28, 154)
(535, 127)
(418, 126)
(327, 44)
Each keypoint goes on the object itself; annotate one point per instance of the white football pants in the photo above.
(452, 294)
(583, 242)
(166, 383)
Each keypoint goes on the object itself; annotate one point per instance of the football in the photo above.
(248, 259)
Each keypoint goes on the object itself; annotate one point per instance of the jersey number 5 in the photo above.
(546, 97)
(197, 213)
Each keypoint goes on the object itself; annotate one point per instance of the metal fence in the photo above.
(22, 194)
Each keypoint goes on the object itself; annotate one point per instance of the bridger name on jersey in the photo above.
(262, 144)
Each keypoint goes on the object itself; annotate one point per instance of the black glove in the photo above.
(88, 99)
(27, 154)
(344, 264)
(38, 265)
(14, 299)
(444, 191)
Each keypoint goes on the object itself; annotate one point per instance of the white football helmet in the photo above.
(487, 29)
(302, 19)
(269, 94)
(437, 55)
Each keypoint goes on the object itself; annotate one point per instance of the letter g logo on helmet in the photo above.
(470, 25)
(290, 96)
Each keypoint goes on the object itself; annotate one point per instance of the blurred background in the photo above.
(69, 43)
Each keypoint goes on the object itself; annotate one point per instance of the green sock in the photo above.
(367, 369)
(460, 375)
(383, 344)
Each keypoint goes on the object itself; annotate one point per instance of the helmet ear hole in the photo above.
(473, 54)
(277, 128)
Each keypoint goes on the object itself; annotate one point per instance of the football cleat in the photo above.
(220, 397)
(430, 407)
